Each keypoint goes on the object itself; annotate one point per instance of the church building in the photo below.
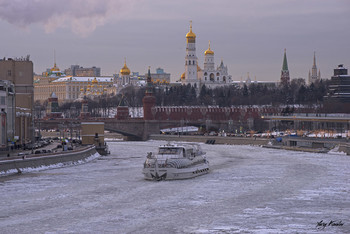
(210, 76)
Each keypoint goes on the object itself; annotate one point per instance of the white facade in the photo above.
(191, 60)
(209, 75)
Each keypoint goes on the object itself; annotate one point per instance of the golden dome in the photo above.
(88, 89)
(125, 71)
(190, 36)
(81, 89)
(94, 81)
(209, 51)
(183, 76)
(55, 68)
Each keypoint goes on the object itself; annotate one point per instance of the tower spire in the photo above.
(285, 72)
(313, 77)
(149, 87)
(285, 63)
(314, 58)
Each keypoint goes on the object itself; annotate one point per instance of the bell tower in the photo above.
(191, 58)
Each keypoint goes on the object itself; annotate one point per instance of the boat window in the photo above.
(169, 150)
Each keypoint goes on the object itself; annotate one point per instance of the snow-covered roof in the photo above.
(84, 79)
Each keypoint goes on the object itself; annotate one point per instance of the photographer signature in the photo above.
(322, 224)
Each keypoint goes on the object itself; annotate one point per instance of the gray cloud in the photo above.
(82, 16)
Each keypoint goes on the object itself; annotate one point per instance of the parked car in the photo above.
(28, 146)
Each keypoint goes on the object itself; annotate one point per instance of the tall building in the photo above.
(76, 70)
(20, 73)
(339, 88)
(209, 75)
(191, 58)
(7, 115)
(313, 75)
(285, 72)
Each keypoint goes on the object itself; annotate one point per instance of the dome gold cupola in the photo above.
(182, 76)
(125, 71)
(209, 51)
(94, 81)
(55, 68)
(190, 36)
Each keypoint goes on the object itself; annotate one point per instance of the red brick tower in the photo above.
(122, 110)
(285, 72)
(84, 113)
(52, 111)
(149, 101)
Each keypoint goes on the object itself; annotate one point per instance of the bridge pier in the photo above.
(150, 127)
(132, 138)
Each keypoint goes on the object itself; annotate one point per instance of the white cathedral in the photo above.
(208, 76)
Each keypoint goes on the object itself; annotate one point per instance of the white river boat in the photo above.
(176, 161)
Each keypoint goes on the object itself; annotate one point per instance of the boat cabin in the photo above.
(184, 151)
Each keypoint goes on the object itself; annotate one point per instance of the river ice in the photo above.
(249, 189)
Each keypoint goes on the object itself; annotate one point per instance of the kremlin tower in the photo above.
(285, 72)
(149, 101)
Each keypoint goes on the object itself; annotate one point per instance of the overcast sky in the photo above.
(249, 35)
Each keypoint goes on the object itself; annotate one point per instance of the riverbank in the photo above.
(213, 139)
(264, 142)
(58, 159)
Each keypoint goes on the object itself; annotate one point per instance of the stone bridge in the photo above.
(134, 129)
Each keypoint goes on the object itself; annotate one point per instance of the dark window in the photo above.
(212, 77)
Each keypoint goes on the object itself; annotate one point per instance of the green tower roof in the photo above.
(285, 64)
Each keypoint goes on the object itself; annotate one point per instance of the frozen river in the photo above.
(250, 189)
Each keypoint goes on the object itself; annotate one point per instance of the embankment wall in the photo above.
(36, 161)
(218, 139)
